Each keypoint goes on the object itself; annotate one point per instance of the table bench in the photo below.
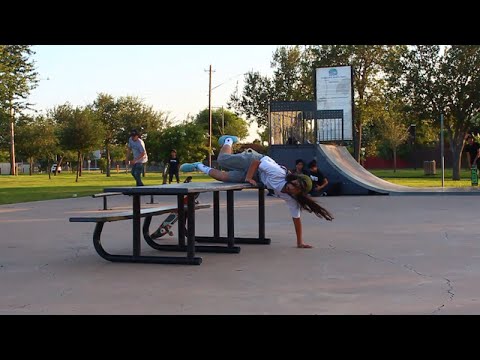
(104, 196)
(190, 191)
(148, 214)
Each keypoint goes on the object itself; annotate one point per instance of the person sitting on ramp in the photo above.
(251, 167)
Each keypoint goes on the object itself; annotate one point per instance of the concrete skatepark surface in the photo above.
(381, 255)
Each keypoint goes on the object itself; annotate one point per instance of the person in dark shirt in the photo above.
(173, 166)
(473, 150)
(319, 181)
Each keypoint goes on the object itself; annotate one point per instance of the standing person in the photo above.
(319, 181)
(140, 157)
(173, 166)
(253, 167)
(473, 150)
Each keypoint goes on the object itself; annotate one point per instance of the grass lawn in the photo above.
(416, 178)
(23, 188)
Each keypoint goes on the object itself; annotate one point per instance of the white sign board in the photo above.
(334, 92)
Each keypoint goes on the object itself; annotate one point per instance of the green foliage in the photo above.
(4, 156)
(4, 130)
(133, 113)
(223, 122)
(433, 82)
(253, 102)
(102, 164)
(17, 76)
(188, 139)
(117, 152)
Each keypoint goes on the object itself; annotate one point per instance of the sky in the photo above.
(170, 78)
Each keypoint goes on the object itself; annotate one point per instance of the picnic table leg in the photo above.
(105, 203)
(136, 225)
(261, 214)
(216, 215)
(181, 220)
(191, 226)
(230, 219)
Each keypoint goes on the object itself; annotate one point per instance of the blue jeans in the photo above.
(238, 164)
(137, 173)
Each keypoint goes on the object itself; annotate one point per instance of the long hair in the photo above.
(310, 205)
(307, 203)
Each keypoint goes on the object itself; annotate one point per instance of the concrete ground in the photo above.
(381, 255)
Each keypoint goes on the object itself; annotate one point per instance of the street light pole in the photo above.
(210, 117)
(13, 170)
(223, 121)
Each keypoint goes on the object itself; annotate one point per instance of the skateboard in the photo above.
(474, 175)
(171, 219)
(164, 229)
(165, 173)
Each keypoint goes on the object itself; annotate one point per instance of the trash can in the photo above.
(429, 167)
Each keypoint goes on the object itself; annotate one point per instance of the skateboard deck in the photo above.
(165, 227)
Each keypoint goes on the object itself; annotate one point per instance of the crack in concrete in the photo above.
(409, 267)
(65, 291)
(43, 269)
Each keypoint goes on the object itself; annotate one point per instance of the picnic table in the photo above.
(189, 190)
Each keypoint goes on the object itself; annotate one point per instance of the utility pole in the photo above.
(13, 170)
(442, 150)
(223, 121)
(210, 117)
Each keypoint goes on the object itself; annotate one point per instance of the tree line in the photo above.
(394, 86)
(70, 133)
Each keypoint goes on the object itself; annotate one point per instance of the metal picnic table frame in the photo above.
(190, 190)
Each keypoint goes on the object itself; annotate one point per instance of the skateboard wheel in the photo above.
(170, 233)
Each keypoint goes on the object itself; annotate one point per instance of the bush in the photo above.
(102, 164)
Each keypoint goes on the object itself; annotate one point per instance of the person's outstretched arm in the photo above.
(298, 230)
(251, 171)
(320, 187)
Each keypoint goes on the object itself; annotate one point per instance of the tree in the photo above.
(448, 83)
(253, 102)
(35, 136)
(106, 109)
(17, 78)
(288, 83)
(293, 79)
(392, 127)
(62, 116)
(4, 130)
(223, 122)
(187, 138)
(369, 66)
(82, 132)
(133, 113)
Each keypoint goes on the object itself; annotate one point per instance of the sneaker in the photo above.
(189, 167)
(222, 139)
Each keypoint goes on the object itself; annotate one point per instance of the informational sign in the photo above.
(334, 92)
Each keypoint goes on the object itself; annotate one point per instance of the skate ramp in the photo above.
(341, 168)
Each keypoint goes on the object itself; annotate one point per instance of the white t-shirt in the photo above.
(138, 147)
(272, 176)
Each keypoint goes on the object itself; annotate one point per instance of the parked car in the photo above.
(54, 168)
